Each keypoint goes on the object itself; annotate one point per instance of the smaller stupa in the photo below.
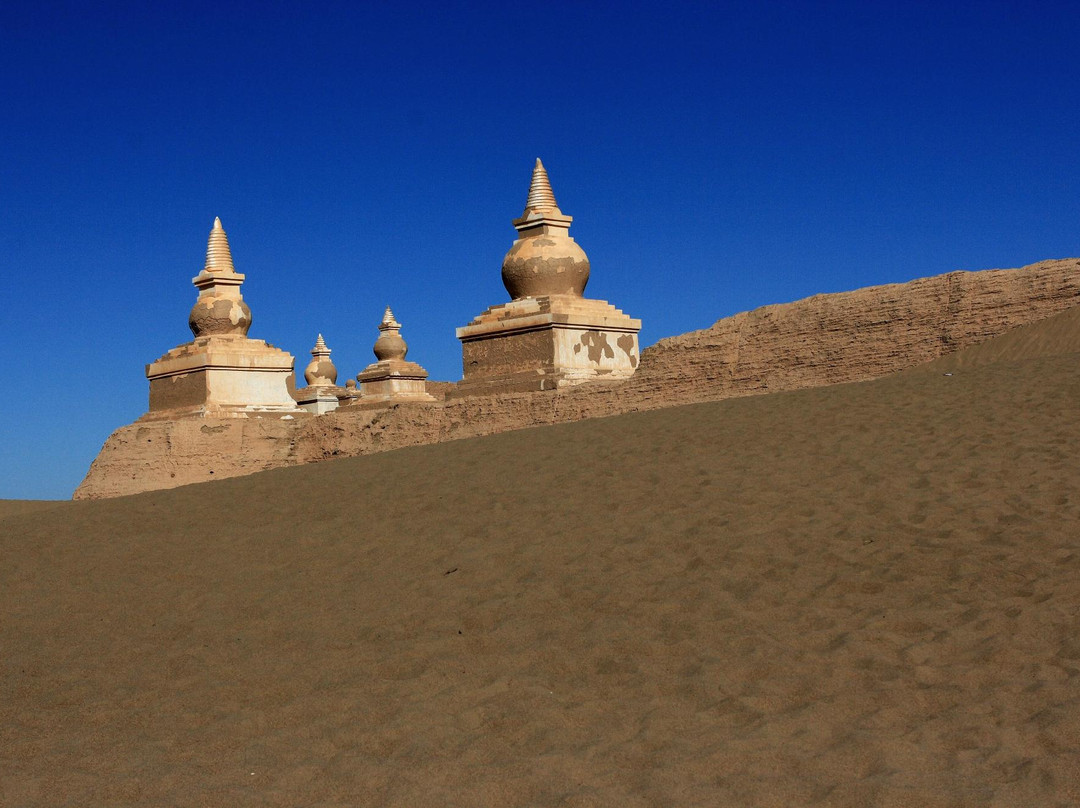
(221, 372)
(322, 393)
(391, 379)
(352, 393)
(549, 335)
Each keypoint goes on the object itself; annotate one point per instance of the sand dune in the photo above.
(859, 595)
(17, 507)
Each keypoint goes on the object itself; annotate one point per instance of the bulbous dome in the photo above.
(545, 265)
(320, 371)
(218, 314)
(390, 344)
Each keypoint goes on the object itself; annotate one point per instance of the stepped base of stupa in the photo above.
(545, 343)
(222, 376)
(392, 380)
(319, 400)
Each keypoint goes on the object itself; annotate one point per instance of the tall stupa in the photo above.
(549, 335)
(221, 372)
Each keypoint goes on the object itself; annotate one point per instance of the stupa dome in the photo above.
(320, 371)
(390, 344)
(544, 260)
(220, 309)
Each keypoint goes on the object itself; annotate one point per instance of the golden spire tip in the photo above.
(541, 197)
(218, 256)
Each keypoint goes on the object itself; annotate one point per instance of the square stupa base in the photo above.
(545, 343)
(391, 381)
(320, 400)
(223, 376)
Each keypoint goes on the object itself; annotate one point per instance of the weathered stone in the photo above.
(221, 375)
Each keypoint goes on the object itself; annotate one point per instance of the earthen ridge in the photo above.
(821, 340)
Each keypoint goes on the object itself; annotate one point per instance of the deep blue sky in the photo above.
(716, 157)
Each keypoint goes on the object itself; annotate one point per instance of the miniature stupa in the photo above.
(352, 392)
(549, 335)
(221, 372)
(391, 378)
(322, 393)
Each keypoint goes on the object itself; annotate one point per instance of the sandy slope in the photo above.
(1054, 336)
(17, 507)
(864, 594)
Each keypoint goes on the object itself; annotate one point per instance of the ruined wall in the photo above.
(163, 453)
(852, 336)
(824, 339)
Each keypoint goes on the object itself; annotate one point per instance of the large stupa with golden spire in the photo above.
(221, 372)
(549, 335)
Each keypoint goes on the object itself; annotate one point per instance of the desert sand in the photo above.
(857, 595)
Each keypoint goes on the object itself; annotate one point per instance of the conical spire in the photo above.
(541, 197)
(218, 256)
(320, 345)
(388, 321)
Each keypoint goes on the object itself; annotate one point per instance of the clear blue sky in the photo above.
(716, 157)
